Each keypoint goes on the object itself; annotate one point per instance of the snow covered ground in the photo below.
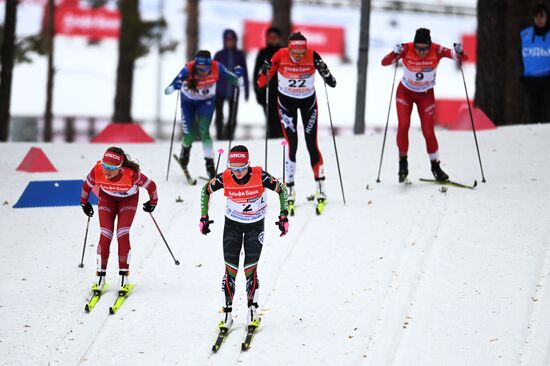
(401, 275)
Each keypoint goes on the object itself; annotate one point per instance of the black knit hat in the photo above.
(422, 36)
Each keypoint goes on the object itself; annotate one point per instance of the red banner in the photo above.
(93, 23)
(324, 39)
(469, 42)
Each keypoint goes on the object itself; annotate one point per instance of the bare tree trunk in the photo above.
(499, 92)
(282, 17)
(192, 28)
(48, 133)
(6, 75)
(128, 43)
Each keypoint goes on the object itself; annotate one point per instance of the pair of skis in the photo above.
(245, 346)
(97, 293)
(319, 206)
(190, 180)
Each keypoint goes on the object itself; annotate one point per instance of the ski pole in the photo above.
(266, 118)
(176, 262)
(334, 142)
(220, 152)
(284, 158)
(172, 138)
(387, 121)
(81, 265)
(233, 116)
(472, 120)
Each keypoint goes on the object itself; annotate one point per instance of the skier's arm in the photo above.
(269, 182)
(231, 77)
(89, 183)
(323, 70)
(142, 181)
(275, 61)
(177, 82)
(451, 53)
(395, 55)
(212, 186)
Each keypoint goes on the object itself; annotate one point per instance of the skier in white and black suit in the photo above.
(244, 186)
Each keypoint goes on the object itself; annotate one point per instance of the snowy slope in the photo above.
(401, 275)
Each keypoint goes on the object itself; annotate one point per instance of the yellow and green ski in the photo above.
(245, 346)
(96, 295)
(122, 295)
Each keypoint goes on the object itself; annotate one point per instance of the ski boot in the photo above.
(97, 290)
(101, 285)
(252, 317)
(403, 169)
(291, 197)
(227, 319)
(320, 196)
(223, 327)
(125, 286)
(184, 156)
(438, 173)
(210, 168)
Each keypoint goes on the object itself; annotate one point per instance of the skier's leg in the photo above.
(204, 112)
(426, 110)
(253, 243)
(288, 115)
(404, 106)
(126, 212)
(232, 243)
(106, 208)
(310, 112)
(188, 117)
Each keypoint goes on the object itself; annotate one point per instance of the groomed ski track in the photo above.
(403, 274)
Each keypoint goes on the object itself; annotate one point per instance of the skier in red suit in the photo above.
(420, 59)
(118, 179)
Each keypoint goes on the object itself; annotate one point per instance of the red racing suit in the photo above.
(416, 87)
(117, 197)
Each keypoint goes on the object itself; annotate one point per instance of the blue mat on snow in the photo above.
(52, 193)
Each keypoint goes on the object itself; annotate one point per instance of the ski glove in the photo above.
(266, 66)
(458, 48)
(238, 71)
(88, 209)
(149, 207)
(204, 225)
(283, 225)
(331, 81)
(322, 67)
(176, 85)
(398, 49)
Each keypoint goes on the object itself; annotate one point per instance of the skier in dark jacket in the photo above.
(273, 43)
(230, 56)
